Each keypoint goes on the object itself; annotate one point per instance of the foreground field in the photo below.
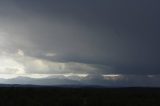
(49, 96)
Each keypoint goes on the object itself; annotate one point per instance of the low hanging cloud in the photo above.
(23, 69)
(19, 63)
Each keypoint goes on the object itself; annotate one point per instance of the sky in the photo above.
(101, 42)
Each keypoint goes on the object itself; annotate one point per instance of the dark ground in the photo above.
(49, 96)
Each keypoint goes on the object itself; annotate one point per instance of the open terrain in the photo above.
(85, 96)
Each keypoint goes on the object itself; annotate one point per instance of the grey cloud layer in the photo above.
(120, 34)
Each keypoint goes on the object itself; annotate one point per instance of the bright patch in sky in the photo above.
(18, 64)
(10, 66)
(113, 77)
(50, 54)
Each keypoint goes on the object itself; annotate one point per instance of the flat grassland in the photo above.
(54, 96)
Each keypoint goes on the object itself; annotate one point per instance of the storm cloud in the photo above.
(80, 37)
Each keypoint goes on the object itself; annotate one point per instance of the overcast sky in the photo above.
(105, 39)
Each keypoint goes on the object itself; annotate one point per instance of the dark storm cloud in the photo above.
(122, 34)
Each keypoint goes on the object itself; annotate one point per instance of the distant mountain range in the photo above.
(83, 82)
